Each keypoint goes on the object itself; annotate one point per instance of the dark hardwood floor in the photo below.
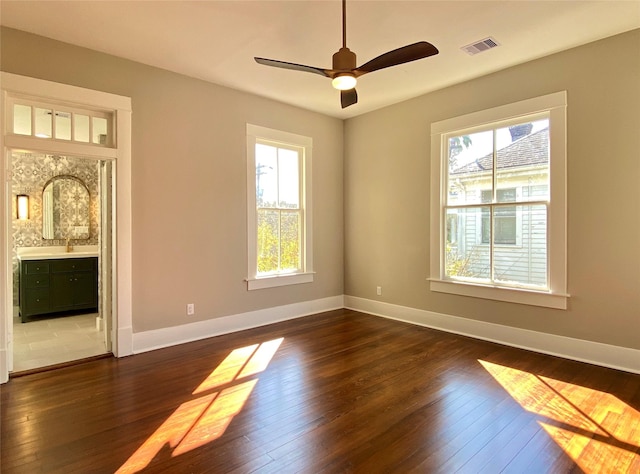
(335, 392)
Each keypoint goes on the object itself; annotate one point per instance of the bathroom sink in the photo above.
(42, 253)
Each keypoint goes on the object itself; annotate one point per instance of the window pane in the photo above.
(506, 195)
(43, 122)
(21, 119)
(525, 264)
(470, 167)
(451, 229)
(100, 130)
(469, 257)
(290, 240)
(523, 159)
(288, 174)
(63, 125)
(504, 225)
(81, 128)
(268, 240)
(266, 176)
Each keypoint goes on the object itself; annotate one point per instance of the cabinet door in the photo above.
(62, 289)
(35, 301)
(86, 290)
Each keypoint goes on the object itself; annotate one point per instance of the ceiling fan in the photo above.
(344, 73)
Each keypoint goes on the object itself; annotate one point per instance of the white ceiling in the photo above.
(217, 40)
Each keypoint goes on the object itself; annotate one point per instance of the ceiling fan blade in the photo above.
(292, 66)
(406, 54)
(348, 98)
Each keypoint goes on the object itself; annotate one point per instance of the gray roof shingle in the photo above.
(528, 151)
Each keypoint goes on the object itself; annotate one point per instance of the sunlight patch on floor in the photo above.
(597, 430)
(204, 419)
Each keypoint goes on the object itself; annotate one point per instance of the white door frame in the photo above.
(47, 91)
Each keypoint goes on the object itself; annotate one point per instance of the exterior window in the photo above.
(499, 190)
(279, 214)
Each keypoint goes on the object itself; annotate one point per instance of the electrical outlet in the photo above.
(191, 309)
(379, 290)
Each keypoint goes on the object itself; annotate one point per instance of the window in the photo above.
(35, 119)
(279, 208)
(499, 203)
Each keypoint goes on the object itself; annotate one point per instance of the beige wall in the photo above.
(189, 188)
(387, 193)
(189, 182)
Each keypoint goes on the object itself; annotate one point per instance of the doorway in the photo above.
(106, 140)
(69, 222)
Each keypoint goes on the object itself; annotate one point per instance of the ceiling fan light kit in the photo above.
(344, 82)
(344, 73)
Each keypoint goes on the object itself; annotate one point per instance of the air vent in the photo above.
(480, 46)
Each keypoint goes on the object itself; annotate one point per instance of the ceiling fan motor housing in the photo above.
(344, 60)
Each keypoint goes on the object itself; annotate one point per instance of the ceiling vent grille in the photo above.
(480, 46)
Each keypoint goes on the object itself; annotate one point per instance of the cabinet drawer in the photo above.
(35, 267)
(72, 265)
(36, 281)
(37, 300)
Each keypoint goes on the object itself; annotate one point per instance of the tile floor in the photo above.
(46, 342)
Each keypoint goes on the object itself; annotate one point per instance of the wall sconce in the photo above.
(22, 206)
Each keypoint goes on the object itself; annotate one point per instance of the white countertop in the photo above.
(42, 253)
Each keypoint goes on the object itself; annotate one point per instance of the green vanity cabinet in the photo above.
(55, 285)
(34, 288)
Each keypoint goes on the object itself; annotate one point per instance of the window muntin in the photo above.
(499, 209)
(279, 208)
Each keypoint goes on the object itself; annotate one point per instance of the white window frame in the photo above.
(555, 296)
(257, 134)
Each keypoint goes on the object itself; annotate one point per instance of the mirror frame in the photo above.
(78, 180)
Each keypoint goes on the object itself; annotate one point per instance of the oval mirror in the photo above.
(65, 209)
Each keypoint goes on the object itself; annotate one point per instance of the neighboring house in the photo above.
(519, 233)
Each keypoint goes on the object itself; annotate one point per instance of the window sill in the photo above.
(511, 295)
(273, 281)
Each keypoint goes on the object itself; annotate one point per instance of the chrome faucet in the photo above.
(69, 246)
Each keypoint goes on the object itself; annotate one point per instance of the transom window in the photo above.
(50, 121)
(498, 209)
(279, 214)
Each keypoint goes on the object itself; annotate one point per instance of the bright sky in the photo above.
(278, 168)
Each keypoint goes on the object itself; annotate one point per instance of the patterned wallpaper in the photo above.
(30, 172)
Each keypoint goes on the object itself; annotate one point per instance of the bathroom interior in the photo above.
(58, 229)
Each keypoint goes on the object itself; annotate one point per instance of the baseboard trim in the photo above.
(165, 337)
(124, 345)
(606, 355)
(4, 368)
